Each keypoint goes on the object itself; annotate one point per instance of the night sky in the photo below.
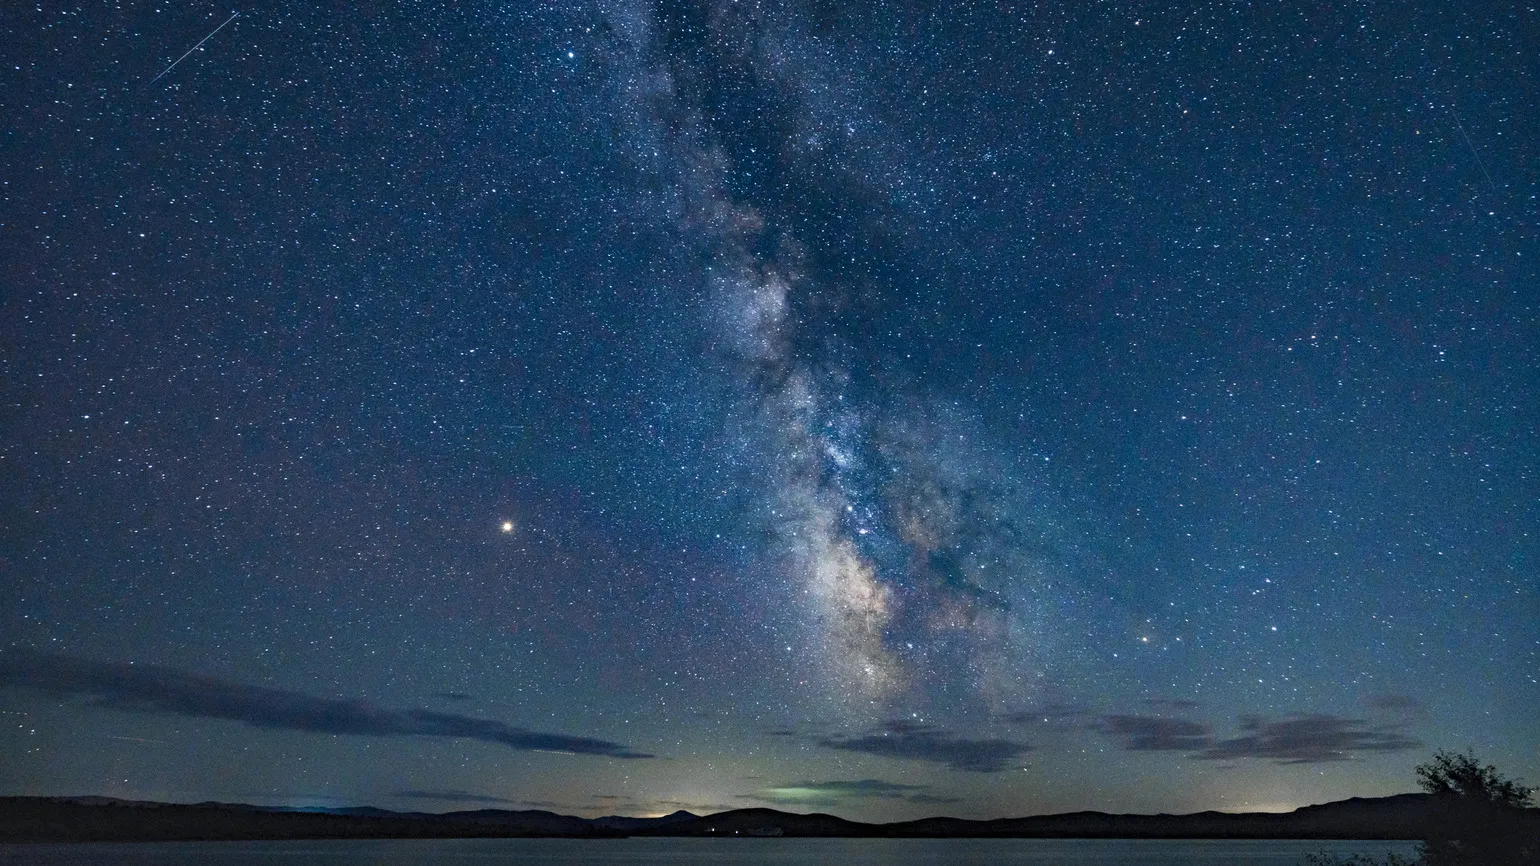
(892, 409)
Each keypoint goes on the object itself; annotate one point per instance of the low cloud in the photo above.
(932, 799)
(1396, 705)
(1156, 733)
(1298, 739)
(687, 805)
(1053, 716)
(1170, 704)
(919, 742)
(614, 805)
(837, 792)
(154, 689)
(1308, 739)
(451, 796)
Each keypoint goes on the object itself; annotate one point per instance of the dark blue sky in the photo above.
(888, 409)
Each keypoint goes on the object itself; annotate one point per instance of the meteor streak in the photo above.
(194, 48)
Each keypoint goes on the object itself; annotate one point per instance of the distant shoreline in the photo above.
(100, 819)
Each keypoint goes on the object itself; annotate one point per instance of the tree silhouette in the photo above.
(1479, 819)
(1482, 822)
(1462, 775)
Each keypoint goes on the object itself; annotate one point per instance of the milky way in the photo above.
(922, 566)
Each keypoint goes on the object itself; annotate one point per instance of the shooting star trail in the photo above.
(1473, 152)
(192, 49)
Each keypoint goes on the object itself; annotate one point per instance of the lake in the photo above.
(734, 852)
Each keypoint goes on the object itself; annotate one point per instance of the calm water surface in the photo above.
(735, 852)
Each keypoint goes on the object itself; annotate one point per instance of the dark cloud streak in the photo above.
(1156, 734)
(1308, 739)
(1299, 739)
(919, 742)
(154, 689)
